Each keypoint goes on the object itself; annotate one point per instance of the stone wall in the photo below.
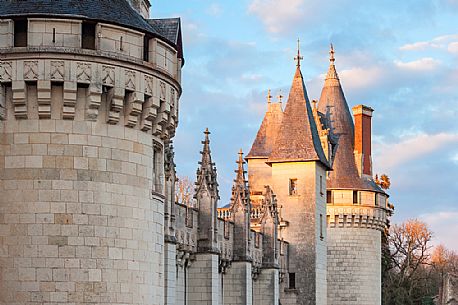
(82, 141)
(354, 266)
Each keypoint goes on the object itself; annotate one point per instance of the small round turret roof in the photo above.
(118, 12)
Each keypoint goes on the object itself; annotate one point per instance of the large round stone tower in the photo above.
(88, 104)
(357, 208)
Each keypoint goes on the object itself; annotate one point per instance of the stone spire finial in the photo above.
(269, 97)
(332, 73)
(240, 170)
(298, 58)
(240, 192)
(331, 54)
(280, 97)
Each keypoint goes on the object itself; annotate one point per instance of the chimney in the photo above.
(142, 7)
(363, 139)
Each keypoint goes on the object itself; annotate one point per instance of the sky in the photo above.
(398, 57)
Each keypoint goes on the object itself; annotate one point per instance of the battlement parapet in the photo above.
(357, 217)
(115, 92)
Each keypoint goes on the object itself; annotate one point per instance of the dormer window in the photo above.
(292, 187)
(20, 32)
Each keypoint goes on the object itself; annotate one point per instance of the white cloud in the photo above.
(453, 47)
(444, 226)
(392, 155)
(277, 15)
(361, 78)
(418, 46)
(423, 64)
(214, 10)
(444, 42)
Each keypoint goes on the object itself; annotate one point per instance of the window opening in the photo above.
(292, 280)
(20, 32)
(88, 35)
(292, 187)
(329, 197)
(321, 227)
(355, 197)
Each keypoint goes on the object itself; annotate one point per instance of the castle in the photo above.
(89, 104)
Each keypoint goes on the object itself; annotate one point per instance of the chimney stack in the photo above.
(142, 7)
(363, 139)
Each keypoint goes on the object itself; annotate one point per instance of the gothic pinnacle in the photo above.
(240, 170)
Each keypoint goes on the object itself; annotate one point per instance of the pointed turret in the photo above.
(207, 195)
(240, 210)
(298, 138)
(334, 107)
(267, 134)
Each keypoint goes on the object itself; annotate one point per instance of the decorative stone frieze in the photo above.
(31, 70)
(5, 71)
(108, 76)
(83, 72)
(149, 85)
(130, 80)
(57, 72)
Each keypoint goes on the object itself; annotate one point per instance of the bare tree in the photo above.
(184, 191)
(408, 280)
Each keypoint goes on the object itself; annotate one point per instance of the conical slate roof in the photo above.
(298, 138)
(335, 108)
(268, 132)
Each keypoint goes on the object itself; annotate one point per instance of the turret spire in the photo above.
(298, 138)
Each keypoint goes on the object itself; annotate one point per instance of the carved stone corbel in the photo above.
(133, 109)
(115, 100)
(70, 91)
(19, 99)
(44, 99)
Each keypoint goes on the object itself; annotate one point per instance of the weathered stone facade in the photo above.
(89, 99)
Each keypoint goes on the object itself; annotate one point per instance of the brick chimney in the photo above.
(363, 139)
